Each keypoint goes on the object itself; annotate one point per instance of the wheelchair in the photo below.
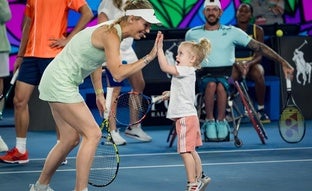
(240, 107)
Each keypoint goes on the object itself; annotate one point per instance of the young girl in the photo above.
(181, 106)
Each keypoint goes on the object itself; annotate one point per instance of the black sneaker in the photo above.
(264, 118)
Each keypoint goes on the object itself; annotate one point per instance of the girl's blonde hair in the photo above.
(200, 50)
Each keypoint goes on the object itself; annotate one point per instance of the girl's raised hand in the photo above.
(153, 52)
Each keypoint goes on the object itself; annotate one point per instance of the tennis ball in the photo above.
(279, 33)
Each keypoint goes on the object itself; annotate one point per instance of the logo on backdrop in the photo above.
(303, 68)
(159, 109)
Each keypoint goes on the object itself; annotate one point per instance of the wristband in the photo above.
(99, 91)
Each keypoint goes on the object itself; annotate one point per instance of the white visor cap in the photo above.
(212, 3)
(146, 14)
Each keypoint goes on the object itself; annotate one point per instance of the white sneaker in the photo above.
(35, 187)
(117, 138)
(64, 162)
(205, 180)
(196, 186)
(3, 145)
(137, 133)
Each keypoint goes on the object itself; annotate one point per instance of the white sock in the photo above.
(260, 107)
(86, 189)
(21, 144)
(41, 186)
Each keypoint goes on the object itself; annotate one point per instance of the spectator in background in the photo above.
(110, 10)
(44, 36)
(247, 62)
(268, 12)
(5, 48)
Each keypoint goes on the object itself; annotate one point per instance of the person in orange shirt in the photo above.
(44, 36)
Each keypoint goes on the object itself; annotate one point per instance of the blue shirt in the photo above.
(223, 42)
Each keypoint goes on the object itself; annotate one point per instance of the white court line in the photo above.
(181, 165)
(172, 166)
(200, 152)
(221, 151)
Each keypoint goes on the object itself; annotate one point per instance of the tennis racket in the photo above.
(291, 123)
(105, 164)
(106, 161)
(252, 114)
(3, 99)
(132, 107)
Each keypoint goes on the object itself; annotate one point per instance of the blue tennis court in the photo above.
(154, 166)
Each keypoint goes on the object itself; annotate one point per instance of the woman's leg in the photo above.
(138, 84)
(111, 96)
(73, 120)
(256, 73)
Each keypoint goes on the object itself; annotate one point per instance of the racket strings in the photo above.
(131, 108)
(105, 164)
(291, 123)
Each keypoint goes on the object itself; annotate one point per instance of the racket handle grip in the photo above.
(12, 82)
(288, 84)
(161, 97)
(106, 114)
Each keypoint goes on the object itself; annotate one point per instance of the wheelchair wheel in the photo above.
(237, 142)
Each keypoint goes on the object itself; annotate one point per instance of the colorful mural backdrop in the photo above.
(173, 14)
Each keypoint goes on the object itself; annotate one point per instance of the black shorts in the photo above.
(32, 68)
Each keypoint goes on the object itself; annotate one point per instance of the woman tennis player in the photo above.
(81, 57)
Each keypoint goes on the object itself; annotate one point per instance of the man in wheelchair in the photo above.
(223, 40)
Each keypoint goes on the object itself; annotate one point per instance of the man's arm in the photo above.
(25, 36)
(271, 54)
(5, 12)
(85, 16)
(102, 17)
